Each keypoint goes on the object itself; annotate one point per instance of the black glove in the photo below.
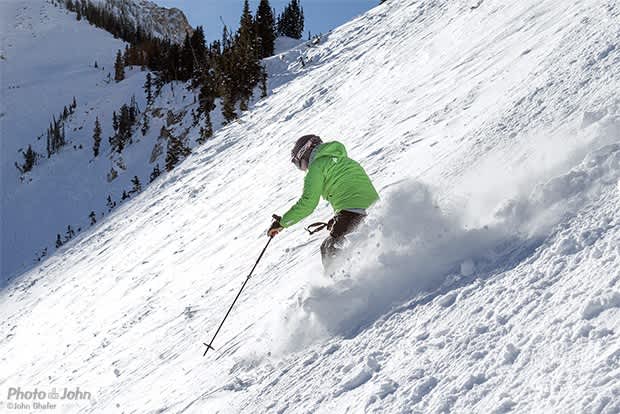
(276, 227)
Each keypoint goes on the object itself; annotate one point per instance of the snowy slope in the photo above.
(486, 280)
(49, 58)
(64, 189)
(46, 64)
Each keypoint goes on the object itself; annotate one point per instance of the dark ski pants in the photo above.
(342, 224)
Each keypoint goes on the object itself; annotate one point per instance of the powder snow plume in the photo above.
(411, 246)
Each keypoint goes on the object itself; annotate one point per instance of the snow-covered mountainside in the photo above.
(169, 23)
(72, 186)
(57, 70)
(487, 279)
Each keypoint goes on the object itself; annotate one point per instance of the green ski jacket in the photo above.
(337, 178)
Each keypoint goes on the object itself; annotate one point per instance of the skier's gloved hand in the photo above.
(275, 228)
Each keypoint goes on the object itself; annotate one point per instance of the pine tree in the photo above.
(96, 138)
(265, 29)
(206, 131)
(137, 186)
(199, 49)
(93, 218)
(124, 196)
(291, 21)
(69, 234)
(148, 89)
(156, 173)
(176, 152)
(133, 110)
(30, 159)
(186, 59)
(207, 93)
(119, 67)
(111, 204)
(125, 122)
(114, 121)
(58, 241)
(228, 108)
(246, 54)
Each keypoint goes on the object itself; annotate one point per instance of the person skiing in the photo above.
(341, 181)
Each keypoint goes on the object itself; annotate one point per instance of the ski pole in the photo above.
(209, 345)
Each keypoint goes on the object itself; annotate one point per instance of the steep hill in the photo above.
(72, 187)
(485, 280)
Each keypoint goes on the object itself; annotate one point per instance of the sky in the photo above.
(321, 15)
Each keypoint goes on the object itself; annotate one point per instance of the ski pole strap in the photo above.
(316, 227)
(319, 226)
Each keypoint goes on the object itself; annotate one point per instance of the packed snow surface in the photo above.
(487, 278)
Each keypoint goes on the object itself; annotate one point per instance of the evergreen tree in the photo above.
(96, 138)
(58, 241)
(176, 152)
(291, 21)
(199, 49)
(148, 89)
(137, 186)
(125, 122)
(246, 53)
(186, 59)
(30, 159)
(265, 29)
(124, 196)
(228, 108)
(206, 131)
(156, 173)
(207, 93)
(55, 136)
(93, 218)
(111, 204)
(119, 67)
(114, 121)
(69, 234)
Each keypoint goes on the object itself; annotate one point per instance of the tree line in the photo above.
(228, 68)
(55, 139)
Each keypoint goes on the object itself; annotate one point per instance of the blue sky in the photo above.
(321, 15)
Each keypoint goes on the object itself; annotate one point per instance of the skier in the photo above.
(340, 180)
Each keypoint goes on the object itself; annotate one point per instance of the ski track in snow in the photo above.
(485, 280)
